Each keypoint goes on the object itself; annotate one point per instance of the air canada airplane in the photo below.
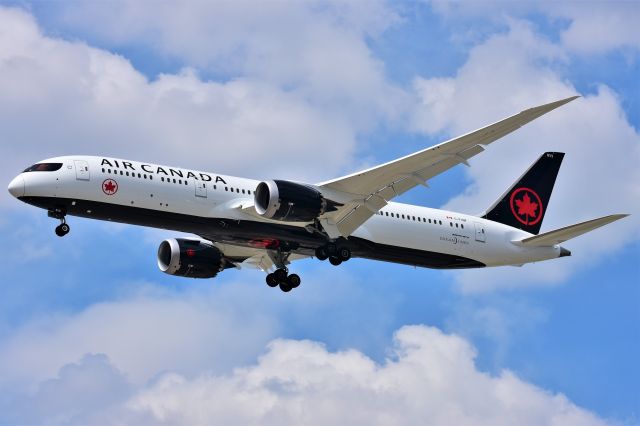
(267, 225)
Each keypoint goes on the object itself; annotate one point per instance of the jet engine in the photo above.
(290, 201)
(190, 258)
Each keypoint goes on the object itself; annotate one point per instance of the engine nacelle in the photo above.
(289, 201)
(190, 258)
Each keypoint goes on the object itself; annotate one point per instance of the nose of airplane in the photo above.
(16, 187)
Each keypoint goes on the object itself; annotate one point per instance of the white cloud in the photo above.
(599, 176)
(142, 335)
(199, 325)
(599, 27)
(585, 26)
(62, 97)
(429, 378)
(318, 49)
(79, 391)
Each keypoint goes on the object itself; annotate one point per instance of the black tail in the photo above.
(524, 204)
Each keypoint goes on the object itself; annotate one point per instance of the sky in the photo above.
(91, 332)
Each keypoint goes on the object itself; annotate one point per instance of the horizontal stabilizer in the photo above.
(561, 235)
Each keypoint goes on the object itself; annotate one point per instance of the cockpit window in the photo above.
(44, 167)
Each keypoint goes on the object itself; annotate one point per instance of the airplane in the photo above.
(245, 223)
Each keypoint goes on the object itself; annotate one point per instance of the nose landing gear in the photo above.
(62, 229)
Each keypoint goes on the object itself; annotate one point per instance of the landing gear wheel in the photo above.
(285, 287)
(331, 249)
(321, 253)
(280, 275)
(62, 230)
(344, 254)
(271, 280)
(335, 261)
(293, 280)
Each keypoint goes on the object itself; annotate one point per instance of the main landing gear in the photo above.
(335, 253)
(62, 229)
(282, 278)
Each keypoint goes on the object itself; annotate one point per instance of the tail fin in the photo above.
(524, 204)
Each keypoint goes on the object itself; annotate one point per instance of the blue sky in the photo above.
(311, 91)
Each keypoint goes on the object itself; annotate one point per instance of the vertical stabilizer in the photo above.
(524, 204)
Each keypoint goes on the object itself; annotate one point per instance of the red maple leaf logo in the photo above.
(526, 207)
(109, 187)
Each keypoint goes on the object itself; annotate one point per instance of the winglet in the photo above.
(543, 109)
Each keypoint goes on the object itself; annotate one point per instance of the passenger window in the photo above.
(162, 178)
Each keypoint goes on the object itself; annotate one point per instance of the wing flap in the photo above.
(561, 235)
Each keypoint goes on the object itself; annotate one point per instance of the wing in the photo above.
(372, 189)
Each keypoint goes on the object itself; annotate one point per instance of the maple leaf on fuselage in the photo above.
(526, 206)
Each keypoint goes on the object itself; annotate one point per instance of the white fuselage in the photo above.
(208, 195)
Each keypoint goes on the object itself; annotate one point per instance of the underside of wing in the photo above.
(373, 188)
(254, 258)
